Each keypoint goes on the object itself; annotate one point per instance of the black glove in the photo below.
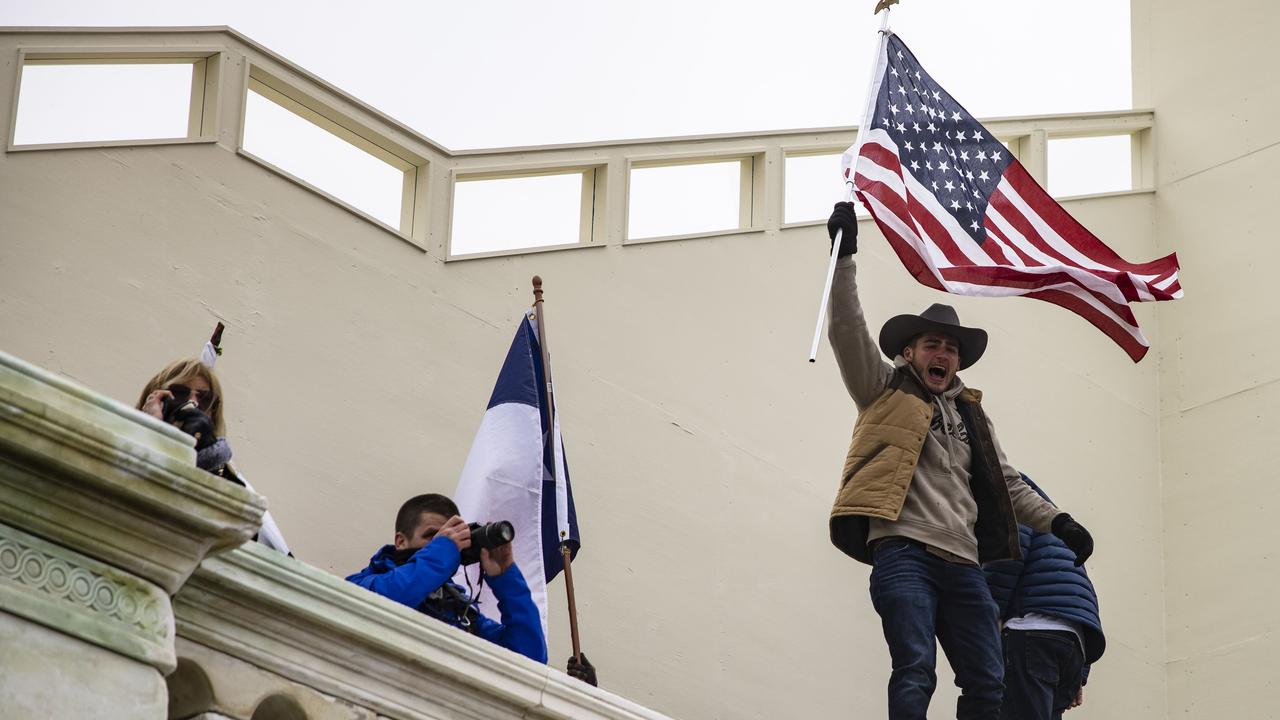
(1074, 535)
(584, 671)
(192, 421)
(843, 218)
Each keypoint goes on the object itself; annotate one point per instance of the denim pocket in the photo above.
(889, 547)
(1042, 653)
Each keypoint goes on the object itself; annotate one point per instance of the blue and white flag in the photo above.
(508, 473)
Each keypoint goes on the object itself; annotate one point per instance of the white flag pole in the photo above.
(883, 9)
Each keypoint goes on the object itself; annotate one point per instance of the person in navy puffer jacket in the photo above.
(1052, 632)
(416, 571)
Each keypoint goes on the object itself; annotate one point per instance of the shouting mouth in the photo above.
(938, 373)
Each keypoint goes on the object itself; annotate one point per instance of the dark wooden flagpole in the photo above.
(549, 394)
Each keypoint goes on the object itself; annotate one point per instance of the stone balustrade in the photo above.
(121, 564)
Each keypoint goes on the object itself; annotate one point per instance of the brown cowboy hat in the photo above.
(900, 330)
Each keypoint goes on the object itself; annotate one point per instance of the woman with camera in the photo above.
(187, 395)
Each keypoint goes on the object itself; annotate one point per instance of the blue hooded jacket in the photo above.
(431, 567)
(1046, 581)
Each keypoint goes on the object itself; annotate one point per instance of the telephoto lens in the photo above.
(487, 536)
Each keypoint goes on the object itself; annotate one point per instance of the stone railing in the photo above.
(104, 517)
(229, 70)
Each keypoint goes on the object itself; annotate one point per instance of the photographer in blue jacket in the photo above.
(1052, 633)
(431, 542)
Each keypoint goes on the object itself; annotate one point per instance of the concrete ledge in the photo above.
(322, 632)
(111, 483)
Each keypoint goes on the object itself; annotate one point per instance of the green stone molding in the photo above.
(84, 598)
(107, 481)
(318, 630)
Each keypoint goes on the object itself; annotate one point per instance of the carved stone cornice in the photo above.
(93, 475)
(318, 630)
(84, 598)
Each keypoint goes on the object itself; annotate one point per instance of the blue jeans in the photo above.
(1043, 670)
(919, 597)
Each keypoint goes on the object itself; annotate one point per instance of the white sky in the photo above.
(503, 73)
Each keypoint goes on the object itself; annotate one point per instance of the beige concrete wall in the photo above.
(704, 449)
(1208, 70)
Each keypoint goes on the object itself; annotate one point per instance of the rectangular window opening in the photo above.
(316, 155)
(103, 102)
(813, 186)
(504, 214)
(1087, 165)
(685, 199)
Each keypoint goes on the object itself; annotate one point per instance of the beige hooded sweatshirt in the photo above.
(939, 509)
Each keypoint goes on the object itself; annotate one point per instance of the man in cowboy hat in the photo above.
(927, 494)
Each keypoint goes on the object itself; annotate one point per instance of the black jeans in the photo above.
(920, 597)
(1042, 673)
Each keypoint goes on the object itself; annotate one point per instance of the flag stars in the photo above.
(974, 225)
(893, 72)
(910, 109)
(901, 127)
(915, 126)
(955, 205)
(915, 165)
(955, 116)
(932, 128)
(964, 155)
(949, 186)
(995, 156)
(934, 183)
(917, 74)
(937, 147)
(902, 90)
(982, 155)
(977, 135)
(960, 135)
(937, 96)
(983, 176)
(910, 147)
(943, 166)
(894, 109)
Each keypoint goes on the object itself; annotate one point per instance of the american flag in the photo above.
(965, 217)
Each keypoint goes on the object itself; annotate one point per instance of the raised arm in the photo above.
(864, 372)
(521, 627)
(411, 583)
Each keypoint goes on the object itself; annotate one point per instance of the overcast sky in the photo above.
(497, 73)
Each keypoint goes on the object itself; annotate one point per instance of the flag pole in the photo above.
(882, 9)
(549, 394)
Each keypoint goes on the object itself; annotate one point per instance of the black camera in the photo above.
(488, 537)
(182, 411)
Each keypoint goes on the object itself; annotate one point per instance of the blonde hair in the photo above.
(180, 371)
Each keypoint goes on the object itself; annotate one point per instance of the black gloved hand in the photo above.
(584, 671)
(194, 422)
(1074, 535)
(843, 218)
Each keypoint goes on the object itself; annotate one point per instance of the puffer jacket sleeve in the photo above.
(521, 627)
